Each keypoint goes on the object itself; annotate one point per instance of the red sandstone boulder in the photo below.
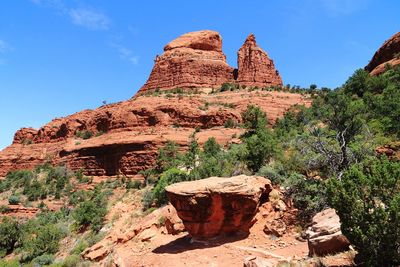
(388, 53)
(325, 236)
(194, 59)
(215, 206)
(255, 68)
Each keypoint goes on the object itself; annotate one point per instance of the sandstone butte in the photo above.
(214, 206)
(388, 53)
(127, 135)
(196, 60)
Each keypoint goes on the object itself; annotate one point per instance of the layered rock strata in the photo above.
(126, 135)
(196, 60)
(388, 53)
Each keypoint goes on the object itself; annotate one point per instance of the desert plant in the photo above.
(13, 200)
(367, 200)
(9, 235)
(168, 177)
(229, 123)
(90, 213)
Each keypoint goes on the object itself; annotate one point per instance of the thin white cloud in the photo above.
(343, 7)
(57, 5)
(86, 17)
(125, 53)
(90, 19)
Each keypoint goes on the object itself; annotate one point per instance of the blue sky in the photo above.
(58, 57)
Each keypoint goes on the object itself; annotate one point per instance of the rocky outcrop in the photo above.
(388, 53)
(255, 68)
(196, 60)
(193, 60)
(215, 206)
(126, 135)
(324, 235)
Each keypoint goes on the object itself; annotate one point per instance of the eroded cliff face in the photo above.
(255, 68)
(196, 60)
(388, 53)
(127, 135)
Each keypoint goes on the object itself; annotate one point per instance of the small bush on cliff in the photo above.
(230, 123)
(367, 200)
(86, 134)
(169, 177)
(91, 212)
(13, 200)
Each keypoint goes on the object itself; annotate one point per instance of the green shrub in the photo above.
(86, 134)
(45, 259)
(276, 176)
(168, 177)
(147, 199)
(308, 195)
(71, 261)
(79, 247)
(133, 184)
(367, 200)
(35, 191)
(90, 213)
(39, 239)
(261, 147)
(13, 200)
(211, 147)
(254, 119)
(230, 123)
(9, 263)
(168, 157)
(9, 235)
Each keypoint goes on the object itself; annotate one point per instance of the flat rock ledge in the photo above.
(215, 206)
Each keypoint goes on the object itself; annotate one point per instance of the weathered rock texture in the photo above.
(325, 236)
(388, 53)
(255, 68)
(127, 135)
(196, 60)
(215, 206)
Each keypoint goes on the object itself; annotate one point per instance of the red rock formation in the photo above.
(194, 59)
(215, 206)
(388, 53)
(127, 135)
(255, 68)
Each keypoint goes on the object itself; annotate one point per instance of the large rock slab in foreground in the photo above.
(215, 206)
(325, 236)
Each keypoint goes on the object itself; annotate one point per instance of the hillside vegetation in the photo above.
(322, 156)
